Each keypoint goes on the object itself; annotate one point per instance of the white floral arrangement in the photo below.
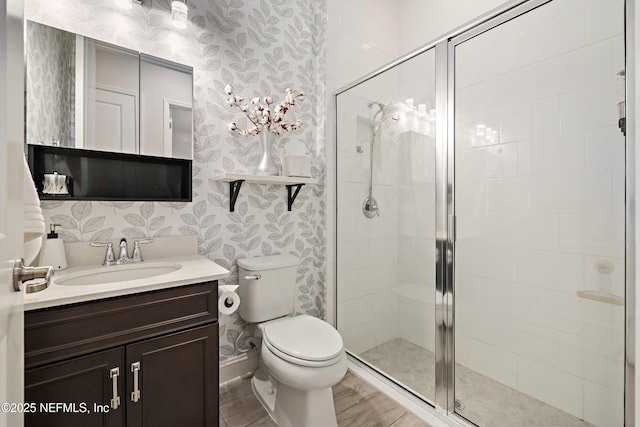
(259, 113)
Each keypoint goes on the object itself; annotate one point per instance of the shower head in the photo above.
(380, 106)
(383, 112)
(370, 205)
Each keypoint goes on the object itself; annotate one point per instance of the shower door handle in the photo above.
(451, 228)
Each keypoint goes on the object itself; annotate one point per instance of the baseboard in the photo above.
(238, 367)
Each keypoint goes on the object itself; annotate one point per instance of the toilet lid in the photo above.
(304, 337)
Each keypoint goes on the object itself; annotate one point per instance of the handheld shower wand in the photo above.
(370, 205)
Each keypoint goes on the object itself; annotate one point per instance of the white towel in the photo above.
(33, 218)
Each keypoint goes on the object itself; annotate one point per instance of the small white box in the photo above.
(294, 164)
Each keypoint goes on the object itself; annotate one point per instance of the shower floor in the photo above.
(414, 367)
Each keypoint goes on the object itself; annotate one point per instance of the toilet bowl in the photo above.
(303, 352)
(301, 372)
(301, 357)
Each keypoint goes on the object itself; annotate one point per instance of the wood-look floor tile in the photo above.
(377, 410)
(350, 391)
(409, 419)
(239, 406)
(357, 403)
(264, 422)
(234, 390)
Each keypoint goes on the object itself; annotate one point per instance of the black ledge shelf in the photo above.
(102, 175)
(235, 180)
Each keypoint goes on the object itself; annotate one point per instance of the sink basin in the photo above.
(116, 274)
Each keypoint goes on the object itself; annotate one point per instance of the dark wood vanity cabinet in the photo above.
(80, 381)
(147, 359)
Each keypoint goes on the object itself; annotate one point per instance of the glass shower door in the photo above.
(540, 218)
(386, 222)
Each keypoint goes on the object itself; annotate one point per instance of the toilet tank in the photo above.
(267, 286)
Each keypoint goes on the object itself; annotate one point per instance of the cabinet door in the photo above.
(77, 392)
(177, 377)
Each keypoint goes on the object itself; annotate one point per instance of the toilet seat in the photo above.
(304, 340)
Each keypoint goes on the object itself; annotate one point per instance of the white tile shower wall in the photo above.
(390, 256)
(416, 239)
(362, 35)
(403, 179)
(540, 204)
(423, 21)
(261, 49)
(368, 248)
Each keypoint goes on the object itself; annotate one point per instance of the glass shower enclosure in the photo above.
(481, 218)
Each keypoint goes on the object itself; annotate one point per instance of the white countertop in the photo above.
(195, 269)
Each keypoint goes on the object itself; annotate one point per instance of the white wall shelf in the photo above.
(235, 181)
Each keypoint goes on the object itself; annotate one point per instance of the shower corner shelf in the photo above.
(602, 297)
(235, 180)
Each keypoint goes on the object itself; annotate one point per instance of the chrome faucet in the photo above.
(123, 257)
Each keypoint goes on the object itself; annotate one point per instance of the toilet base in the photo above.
(290, 407)
(265, 391)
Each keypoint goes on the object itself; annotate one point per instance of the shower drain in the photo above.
(459, 405)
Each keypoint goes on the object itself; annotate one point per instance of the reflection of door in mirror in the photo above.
(111, 93)
(115, 122)
(177, 129)
(167, 104)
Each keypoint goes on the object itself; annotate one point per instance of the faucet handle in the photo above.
(136, 256)
(109, 257)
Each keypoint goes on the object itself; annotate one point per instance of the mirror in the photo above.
(84, 93)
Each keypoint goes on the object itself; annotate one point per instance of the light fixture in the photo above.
(179, 14)
(124, 4)
(408, 104)
(422, 110)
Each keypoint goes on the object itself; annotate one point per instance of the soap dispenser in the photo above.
(53, 250)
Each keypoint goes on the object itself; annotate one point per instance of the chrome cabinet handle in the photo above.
(114, 373)
(135, 394)
(256, 276)
(22, 273)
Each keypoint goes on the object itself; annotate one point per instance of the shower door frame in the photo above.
(445, 227)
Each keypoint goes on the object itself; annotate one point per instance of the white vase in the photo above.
(266, 165)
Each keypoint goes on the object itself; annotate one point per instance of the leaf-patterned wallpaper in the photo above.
(260, 47)
(50, 88)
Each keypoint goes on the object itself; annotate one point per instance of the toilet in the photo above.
(301, 357)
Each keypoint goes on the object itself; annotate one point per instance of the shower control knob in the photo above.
(370, 207)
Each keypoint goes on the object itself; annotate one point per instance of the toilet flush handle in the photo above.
(256, 276)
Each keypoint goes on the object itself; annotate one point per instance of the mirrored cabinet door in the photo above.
(87, 94)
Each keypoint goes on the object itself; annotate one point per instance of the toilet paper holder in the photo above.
(228, 302)
(228, 299)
